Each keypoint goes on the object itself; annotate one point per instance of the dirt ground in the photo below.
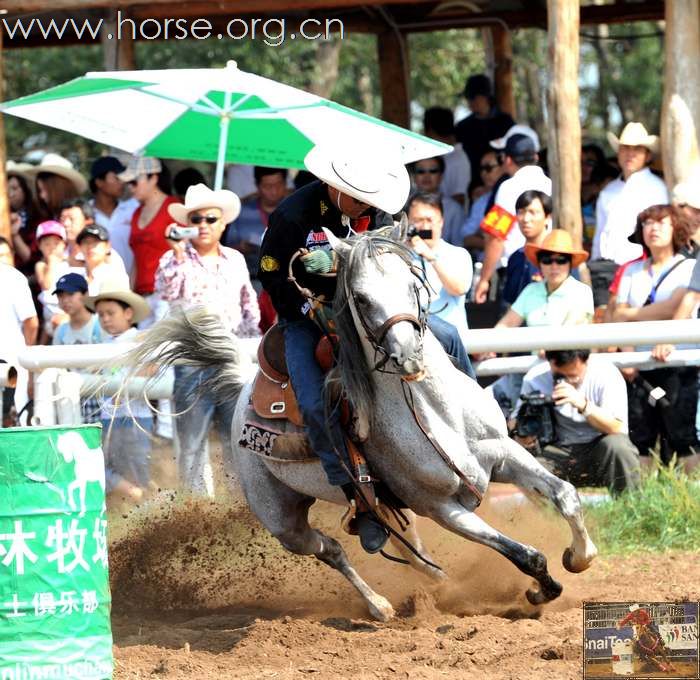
(201, 591)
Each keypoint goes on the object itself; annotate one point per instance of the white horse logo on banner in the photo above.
(89, 466)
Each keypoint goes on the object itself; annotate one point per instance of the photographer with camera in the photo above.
(447, 269)
(577, 413)
(198, 270)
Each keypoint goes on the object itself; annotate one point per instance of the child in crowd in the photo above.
(51, 241)
(127, 423)
(82, 328)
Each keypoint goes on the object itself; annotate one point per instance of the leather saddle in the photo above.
(273, 395)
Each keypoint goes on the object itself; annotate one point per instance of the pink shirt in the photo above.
(220, 283)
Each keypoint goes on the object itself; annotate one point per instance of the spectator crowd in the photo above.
(95, 260)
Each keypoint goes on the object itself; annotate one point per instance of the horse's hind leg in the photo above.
(284, 513)
(409, 531)
(453, 516)
(521, 468)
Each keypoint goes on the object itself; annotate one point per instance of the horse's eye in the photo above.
(361, 300)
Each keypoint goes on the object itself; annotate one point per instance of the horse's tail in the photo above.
(195, 337)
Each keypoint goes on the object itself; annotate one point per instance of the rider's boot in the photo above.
(373, 535)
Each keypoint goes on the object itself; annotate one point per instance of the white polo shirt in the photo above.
(616, 214)
(16, 306)
(502, 218)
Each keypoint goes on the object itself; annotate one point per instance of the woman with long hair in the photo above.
(24, 218)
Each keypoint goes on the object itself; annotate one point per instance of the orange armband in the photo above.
(498, 222)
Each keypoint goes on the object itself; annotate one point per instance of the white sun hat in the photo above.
(634, 134)
(200, 196)
(380, 182)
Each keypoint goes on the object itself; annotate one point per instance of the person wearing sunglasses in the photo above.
(427, 177)
(200, 271)
(558, 299)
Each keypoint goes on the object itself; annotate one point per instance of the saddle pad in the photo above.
(277, 440)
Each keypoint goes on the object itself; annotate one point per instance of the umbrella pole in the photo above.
(221, 157)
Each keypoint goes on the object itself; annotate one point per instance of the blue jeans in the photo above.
(196, 409)
(127, 451)
(448, 337)
(300, 340)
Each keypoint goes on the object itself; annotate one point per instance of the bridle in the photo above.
(376, 336)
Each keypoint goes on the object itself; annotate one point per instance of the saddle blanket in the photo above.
(277, 440)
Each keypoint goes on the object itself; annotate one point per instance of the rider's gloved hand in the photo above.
(319, 261)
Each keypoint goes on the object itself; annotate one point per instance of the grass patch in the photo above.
(662, 514)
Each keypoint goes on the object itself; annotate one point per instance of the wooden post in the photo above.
(392, 48)
(4, 204)
(503, 69)
(680, 115)
(564, 151)
(118, 54)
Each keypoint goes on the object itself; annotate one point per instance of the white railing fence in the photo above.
(57, 391)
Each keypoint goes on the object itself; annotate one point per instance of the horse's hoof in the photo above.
(545, 594)
(567, 559)
(534, 597)
(380, 609)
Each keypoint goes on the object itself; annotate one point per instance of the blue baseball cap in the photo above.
(71, 283)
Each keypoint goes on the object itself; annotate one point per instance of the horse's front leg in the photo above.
(521, 468)
(453, 516)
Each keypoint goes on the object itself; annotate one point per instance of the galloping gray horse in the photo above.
(379, 311)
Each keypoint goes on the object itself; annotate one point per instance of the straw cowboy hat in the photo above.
(58, 165)
(634, 134)
(200, 196)
(116, 290)
(381, 183)
(557, 241)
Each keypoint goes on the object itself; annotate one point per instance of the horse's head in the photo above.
(386, 297)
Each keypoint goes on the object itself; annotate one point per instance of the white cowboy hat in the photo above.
(634, 134)
(687, 192)
(361, 174)
(116, 290)
(200, 196)
(500, 143)
(58, 165)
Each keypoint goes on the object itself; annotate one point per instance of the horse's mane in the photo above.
(355, 372)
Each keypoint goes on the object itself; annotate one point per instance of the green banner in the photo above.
(54, 584)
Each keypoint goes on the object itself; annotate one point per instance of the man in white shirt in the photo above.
(438, 123)
(111, 212)
(500, 224)
(591, 445)
(447, 268)
(19, 324)
(620, 202)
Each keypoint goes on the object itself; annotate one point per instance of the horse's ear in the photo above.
(338, 245)
(398, 233)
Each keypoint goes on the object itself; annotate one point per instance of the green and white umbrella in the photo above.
(222, 115)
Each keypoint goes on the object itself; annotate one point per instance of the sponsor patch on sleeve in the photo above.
(269, 264)
(498, 222)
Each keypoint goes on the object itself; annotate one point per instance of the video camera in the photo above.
(535, 418)
(413, 230)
